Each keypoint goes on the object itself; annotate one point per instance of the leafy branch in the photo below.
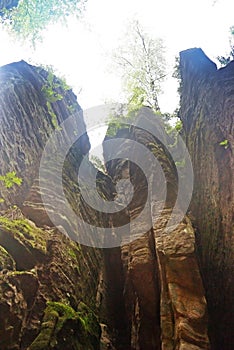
(28, 18)
(9, 180)
(49, 89)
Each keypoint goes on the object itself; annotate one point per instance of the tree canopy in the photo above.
(142, 65)
(28, 18)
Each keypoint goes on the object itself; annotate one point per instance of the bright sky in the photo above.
(82, 52)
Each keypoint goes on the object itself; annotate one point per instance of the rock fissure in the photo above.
(150, 293)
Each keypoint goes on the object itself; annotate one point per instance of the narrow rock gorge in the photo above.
(157, 290)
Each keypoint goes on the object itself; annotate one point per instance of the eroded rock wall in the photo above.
(48, 283)
(207, 113)
(27, 119)
(164, 304)
(47, 288)
(149, 293)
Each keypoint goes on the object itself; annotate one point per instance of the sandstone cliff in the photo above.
(154, 290)
(48, 282)
(157, 279)
(207, 113)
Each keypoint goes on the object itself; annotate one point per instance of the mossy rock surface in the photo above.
(6, 260)
(62, 325)
(48, 265)
(25, 230)
(25, 242)
(46, 283)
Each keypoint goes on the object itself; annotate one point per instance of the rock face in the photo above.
(45, 289)
(207, 112)
(183, 306)
(157, 283)
(28, 117)
(162, 290)
(48, 283)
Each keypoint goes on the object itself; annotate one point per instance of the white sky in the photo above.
(82, 52)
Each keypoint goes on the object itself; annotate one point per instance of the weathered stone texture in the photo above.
(183, 308)
(162, 290)
(207, 113)
(48, 267)
(48, 283)
(26, 123)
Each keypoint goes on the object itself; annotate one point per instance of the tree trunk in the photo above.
(207, 113)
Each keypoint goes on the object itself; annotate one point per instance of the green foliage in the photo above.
(51, 94)
(224, 60)
(98, 163)
(6, 261)
(138, 96)
(114, 126)
(53, 83)
(32, 236)
(62, 309)
(142, 65)
(30, 17)
(53, 115)
(141, 62)
(177, 74)
(88, 319)
(178, 125)
(124, 115)
(224, 143)
(55, 315)
(83, 323)
(180, 163)
(10, 179)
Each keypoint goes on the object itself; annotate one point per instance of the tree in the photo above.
(28, 18)
(142, 65)
(225, 60)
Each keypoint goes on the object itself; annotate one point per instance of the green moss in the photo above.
(63, 326)
(44, 338)
(6, 261)
(72, 253)
(88, 319)
(63, 310)
(22, 273)
(26, 232)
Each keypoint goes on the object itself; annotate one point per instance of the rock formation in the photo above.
(48, 282)
(158, 277)
(207, 113)
(159, 291)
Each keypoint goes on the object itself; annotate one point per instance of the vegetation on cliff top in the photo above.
(28, 18)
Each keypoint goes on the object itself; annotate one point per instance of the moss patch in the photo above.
(25, 231)
(6, 260)
(89, 322)
(62, 325)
